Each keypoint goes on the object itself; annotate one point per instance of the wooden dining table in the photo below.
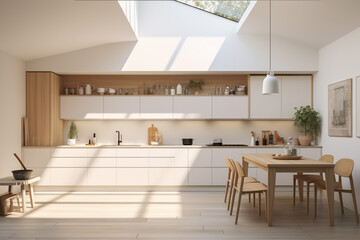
(304, 165)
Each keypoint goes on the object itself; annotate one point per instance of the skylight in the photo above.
(232, 10)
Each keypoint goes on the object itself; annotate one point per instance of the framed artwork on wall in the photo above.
(340, 109)
(358, 106)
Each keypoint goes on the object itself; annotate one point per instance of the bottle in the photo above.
(172, 91)
(94, 139)
(288, 147)
(257, 143)
(271, 139)
(81, 90)
(264, 140)
(179, 89)
(252, 142)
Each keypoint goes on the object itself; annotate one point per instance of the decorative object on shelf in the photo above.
(81, 90)
(358, 106)
(89, 89)
(179, 89)
(152, 133)
(72, 135)
(24, 174)
(66, 91)
(270, 83)
(265, 136)
(196, 86)
(308, 121)
(112, 91)
(101, 91)
(252, 142)
(340, 109)
(278, 139)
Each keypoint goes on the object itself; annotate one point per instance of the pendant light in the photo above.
(270, 83)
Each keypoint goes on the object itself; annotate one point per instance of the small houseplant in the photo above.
(73, 134)
(196, 86)
(308, 121)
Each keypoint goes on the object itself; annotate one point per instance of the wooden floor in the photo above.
(169, 215)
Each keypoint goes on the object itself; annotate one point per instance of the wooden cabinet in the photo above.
(45, 128)
(155, 107)
(121, 107)
(230, 107)
(82, 107)
(198, 107)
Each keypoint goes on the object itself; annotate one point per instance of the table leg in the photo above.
(245, 166)
(329, 176)
(271, 195)
(31, 193)
(23, 197)
(301, 187)
(10, 189)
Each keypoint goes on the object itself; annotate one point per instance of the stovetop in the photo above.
(227, 145)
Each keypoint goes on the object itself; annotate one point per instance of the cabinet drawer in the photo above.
(132, 162)
(161, 162)
(69, 176)
(102, 176)
(219, 155)
(199, 176)
(132, 176)
(69, 162)
(65, 152)
(161, 176)
(161, 153)
(270, 150)
(181, 157)
(219, 176)
(199, 157)
(181, 176)
(101, 162)
(101, 152)
(37, 157)
(132, 152)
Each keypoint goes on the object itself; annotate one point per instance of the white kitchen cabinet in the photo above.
(170, 153)
(132, 152)
(296, 92)
(132, 162)
(181, 176)
(121, 107)
(219, 155)
(102, 176)
(186, 107)
(199, 176)
(44, 174)
(69, 162)
(219, 176)
(263, 106)
(269, 150)
(161, 176)
(69, 176)
(101, 162)
(69, 152)
(162, 162)
(181, 157)
(156, 107)
(37, 157)
(132, 176)
(314, 153)
(199, 157)
(82, 107)
(101, 152)
(230, 107)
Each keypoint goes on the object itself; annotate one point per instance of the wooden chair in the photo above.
(3, 207)
(308, 178)
(231, 178)
(243, 187)
(343, 168)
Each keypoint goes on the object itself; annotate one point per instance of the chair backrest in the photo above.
(229, 163)
(327, 158)
(239, 169)
(344, 167)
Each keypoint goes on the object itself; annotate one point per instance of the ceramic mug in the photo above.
(101, 91)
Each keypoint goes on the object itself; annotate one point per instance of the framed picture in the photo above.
(358, 106)
(340, 109)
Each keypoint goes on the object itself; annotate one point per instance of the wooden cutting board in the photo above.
(152, 132)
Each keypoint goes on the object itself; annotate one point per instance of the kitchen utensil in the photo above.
(72, 91)
(217, 142)
(21, 174)
(278, 139)
(101, 91)
(187, 141)
(112, 91)
(81, 90)
(89, 89)
(152, 133)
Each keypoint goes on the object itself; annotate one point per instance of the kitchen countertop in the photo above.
(165, 146)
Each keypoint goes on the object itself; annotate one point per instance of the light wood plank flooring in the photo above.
(169, 215)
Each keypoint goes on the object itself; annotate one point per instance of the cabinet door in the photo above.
(82, 107)
(230, 107)
(132, 152)
(69, 152)
(199, 157)
(181, 176)
(192, 107)
(121, 107)
(161, 162)
(219, 155)
(44, 174)
(296, 92)
(37, 157)
(160, 107)
(69, 176)
(161, 176)
(101, 152)
(219, 176)
(132, 176)
(132, 162)
(264, 106)
(102, 176)
(69, 162)
(102, 162)
(199, 176)
(181, 157)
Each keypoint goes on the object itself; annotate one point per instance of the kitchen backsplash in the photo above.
(203, 132)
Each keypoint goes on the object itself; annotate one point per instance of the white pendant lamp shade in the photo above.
(270, 84)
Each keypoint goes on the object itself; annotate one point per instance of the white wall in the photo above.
(12, 108)
(174, 37)
(339, 61)
(203, 132)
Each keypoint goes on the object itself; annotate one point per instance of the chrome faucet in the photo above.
(119, 138)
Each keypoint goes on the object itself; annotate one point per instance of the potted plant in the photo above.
(308, 121)
(72, 135)
(196, 86)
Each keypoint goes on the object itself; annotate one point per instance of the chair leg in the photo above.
(232, 201)
(226, 189)
(18, 202)
(341, 203)
(315, 199)
(294, 189)
(249, 197)
(254, 199)
(307, 196)
(259, 203)
(238, 206)
(230, 194)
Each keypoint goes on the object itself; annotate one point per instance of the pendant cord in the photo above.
(270, 36)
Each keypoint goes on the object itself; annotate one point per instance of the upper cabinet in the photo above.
(84, 107)
(121, 107)
(186, 107)
(156, 107)
(230, 107)
(295, 91)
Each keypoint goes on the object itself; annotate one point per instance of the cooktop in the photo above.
(227, 145)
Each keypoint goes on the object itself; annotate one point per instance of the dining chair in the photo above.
(242, 187)
(309, 178)
(231, 178)
(343, 168)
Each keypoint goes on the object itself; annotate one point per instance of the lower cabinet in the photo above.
(69, 176)
(161, 176)
(199, 176)
(132, 176)
(101, 176)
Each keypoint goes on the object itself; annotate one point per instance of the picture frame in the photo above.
(340, 109)
(357, 106)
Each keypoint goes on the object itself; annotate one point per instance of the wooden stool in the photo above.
(10, 197)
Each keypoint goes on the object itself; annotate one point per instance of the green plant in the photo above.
(73, 132)
(196, 85)
(308, 120)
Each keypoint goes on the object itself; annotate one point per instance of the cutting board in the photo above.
(152, 133)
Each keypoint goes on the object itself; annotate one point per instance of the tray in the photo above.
(286, 157)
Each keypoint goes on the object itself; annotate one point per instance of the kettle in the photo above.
(89, 89)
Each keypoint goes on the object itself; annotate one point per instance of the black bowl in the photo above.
(22, 174)
(187, 141)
